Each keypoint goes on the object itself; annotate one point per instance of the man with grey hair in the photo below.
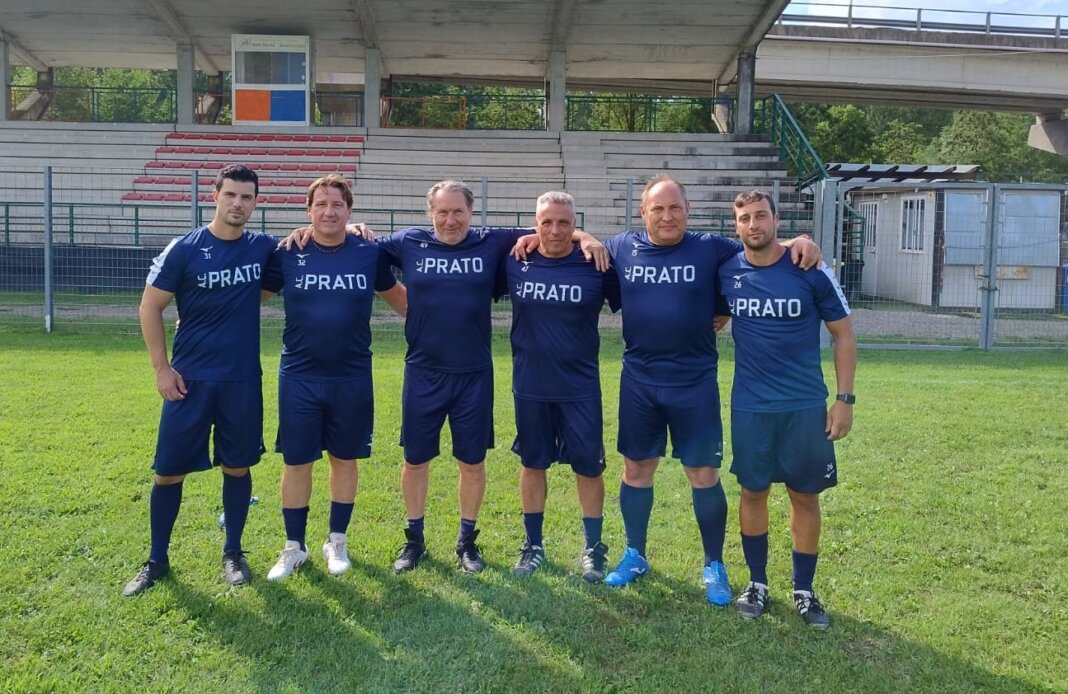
(556, 301)
(451, 274)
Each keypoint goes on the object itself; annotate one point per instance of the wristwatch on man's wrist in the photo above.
(847, 398)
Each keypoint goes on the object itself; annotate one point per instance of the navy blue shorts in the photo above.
(230, 412)
(787, 447)
(465, 398)
(690, 413)
(316, 416)
(563, 432)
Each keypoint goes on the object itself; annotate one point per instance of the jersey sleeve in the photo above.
(167, 268)
(391, 246)
(612, 293)
(272, 275)
(726, 248)
(612, 244)
(384, 278)
(830, 299)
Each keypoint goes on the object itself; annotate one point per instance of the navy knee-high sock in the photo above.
(636, 505)
(236, 492)
(163, 506)
(591, 529)
(296, 522)
(340, 517)
(710, 509)
(755, 549)
(804, 570)
(533, 524)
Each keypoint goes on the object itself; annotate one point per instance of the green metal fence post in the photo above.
(137, 225)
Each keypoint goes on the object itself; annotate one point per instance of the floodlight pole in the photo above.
(194, 208)
(49, 299)
(989, 280)
(630, 204)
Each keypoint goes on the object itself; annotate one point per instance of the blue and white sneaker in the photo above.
(717, 588)
(630, 567)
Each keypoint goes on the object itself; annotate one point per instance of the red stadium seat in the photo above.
(311, 167)
(133, 196)
(276, 199)
(319, 138)
(351, 168)
(172, 197)
(174, 164)
(258, 152)
(239, 151)
(152, 197)
(350, 153)
(297, 199)
(289, 167)
(267, 167)
(245, 136)
(144, 179)
(292, 152)
(155, 164)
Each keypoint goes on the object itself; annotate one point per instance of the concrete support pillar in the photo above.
(185, 107)
(1049, 133)
(743, 115)
(5, 80)
(557, 112)
(372, 88)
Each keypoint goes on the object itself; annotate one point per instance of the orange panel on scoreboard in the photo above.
(252, 104)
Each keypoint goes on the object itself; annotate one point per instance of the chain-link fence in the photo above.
(933, 265)
(951, 264)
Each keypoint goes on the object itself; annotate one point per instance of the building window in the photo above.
(912, 211)
(870, 212)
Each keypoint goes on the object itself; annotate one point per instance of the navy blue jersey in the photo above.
(668, 295)
(776, 313)
(216, 287)
(450, 291)
(328, 296)
(555, 306)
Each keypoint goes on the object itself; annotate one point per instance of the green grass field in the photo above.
(944, 562)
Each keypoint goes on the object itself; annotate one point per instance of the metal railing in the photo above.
(772, 117)
(99, 104)
(138, 225)
(643, 113)
(923, 19)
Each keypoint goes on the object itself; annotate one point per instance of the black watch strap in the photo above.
(847, 398)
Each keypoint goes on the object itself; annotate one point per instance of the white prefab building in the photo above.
(926, 245)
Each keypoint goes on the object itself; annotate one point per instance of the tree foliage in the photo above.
(996, 142)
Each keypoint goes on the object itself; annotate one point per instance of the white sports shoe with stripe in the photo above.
(291, 559)
(336, 554)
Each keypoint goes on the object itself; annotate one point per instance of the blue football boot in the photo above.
(630, 567)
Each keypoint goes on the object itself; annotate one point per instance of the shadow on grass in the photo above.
(437, 629)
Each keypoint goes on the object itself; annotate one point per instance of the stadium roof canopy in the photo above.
(680, 46)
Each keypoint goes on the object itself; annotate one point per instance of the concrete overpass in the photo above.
(691, 47)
